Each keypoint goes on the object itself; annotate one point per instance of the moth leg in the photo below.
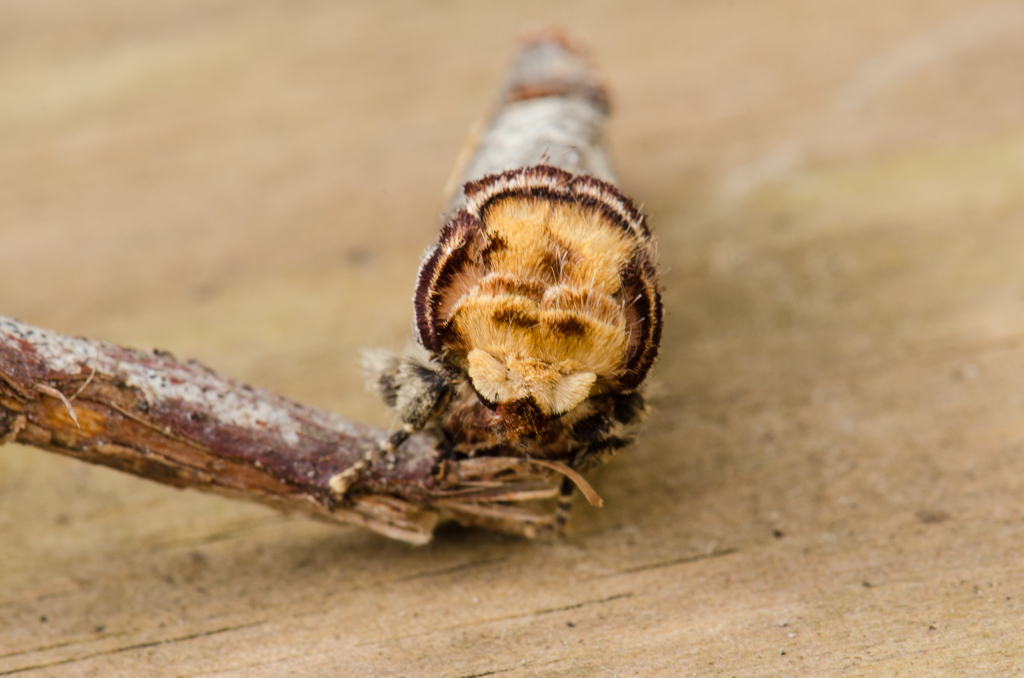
(417, 387)
(340, 482)
(565, 495)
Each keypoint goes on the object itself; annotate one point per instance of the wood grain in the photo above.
(835, 469)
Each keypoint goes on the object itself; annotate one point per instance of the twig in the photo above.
(552, 110)
(184, 425)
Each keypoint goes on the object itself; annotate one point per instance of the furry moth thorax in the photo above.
(540, 303)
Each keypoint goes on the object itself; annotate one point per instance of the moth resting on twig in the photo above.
(538, 314)
(537, 317)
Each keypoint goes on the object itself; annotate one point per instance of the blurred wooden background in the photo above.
(833, 483)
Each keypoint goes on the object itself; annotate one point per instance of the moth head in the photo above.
(554, 389)
(544, 291)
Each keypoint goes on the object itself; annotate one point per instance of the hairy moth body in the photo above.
(541, 297)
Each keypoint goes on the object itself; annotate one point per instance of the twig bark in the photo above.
(181, 424)
(552, 108)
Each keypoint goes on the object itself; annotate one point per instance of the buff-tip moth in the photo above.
(537, 312)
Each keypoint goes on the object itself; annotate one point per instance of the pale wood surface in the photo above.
(838, 190)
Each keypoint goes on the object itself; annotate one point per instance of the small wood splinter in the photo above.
(537, 319)
(51, 391)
